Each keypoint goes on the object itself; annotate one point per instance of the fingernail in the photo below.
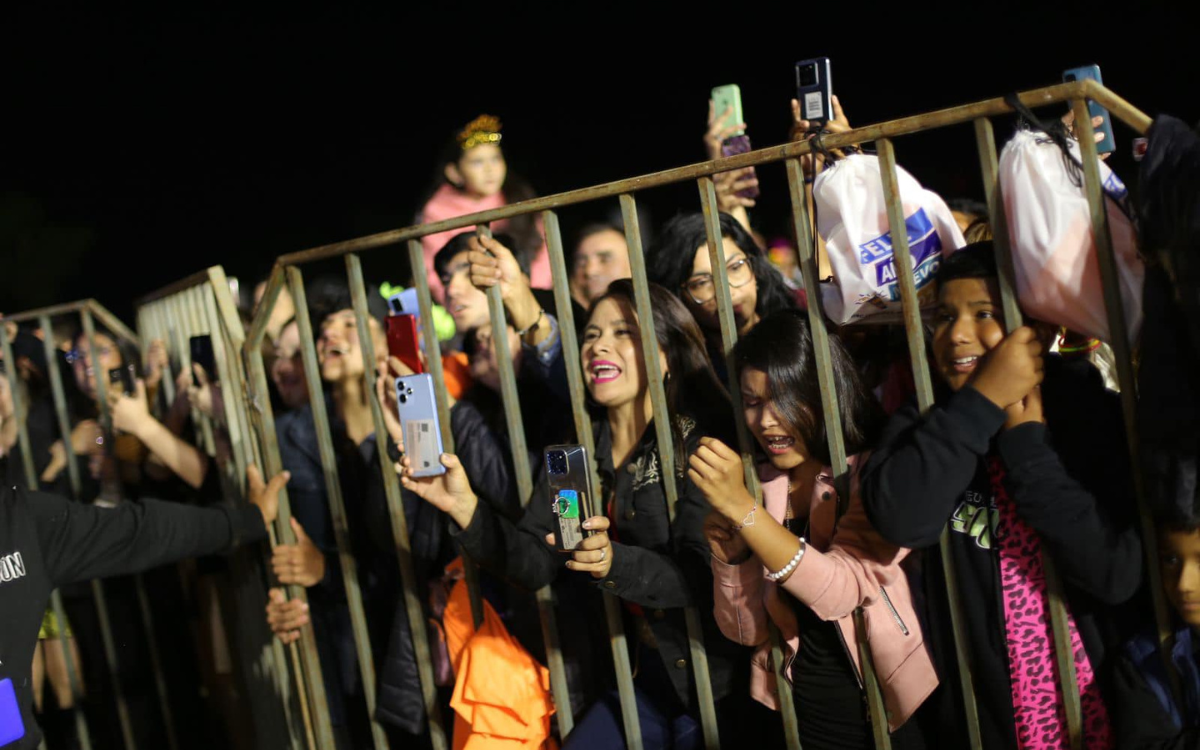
(587, 524)
(305, 607)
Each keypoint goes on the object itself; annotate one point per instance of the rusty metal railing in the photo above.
(287, 273)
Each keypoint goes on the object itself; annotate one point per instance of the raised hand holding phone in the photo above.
(450, 491)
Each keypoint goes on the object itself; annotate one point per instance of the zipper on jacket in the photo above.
(891, 608)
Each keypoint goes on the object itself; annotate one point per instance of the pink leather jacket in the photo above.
(840, 571)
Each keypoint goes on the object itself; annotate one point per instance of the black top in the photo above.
(658, 565)
(1077, 496)
(46, 542)
(829, 701)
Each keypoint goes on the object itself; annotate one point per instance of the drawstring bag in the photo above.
(852, 219)
(1050, 233)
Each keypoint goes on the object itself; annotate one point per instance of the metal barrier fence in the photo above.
(248, 413)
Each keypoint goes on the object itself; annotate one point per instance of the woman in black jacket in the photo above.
(635, 552)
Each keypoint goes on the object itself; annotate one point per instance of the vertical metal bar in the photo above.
(924, 387)
(1123, 350)
(520, 452)
(225, 374)
(729, 331)
(333, 488)
(508, 387)
(306, 664)
(119, 332)
(110, 649)
(985, 143)
(19, 411)
(196, 327)
(226, 328)
(584, 434)
(417, 624)
(666, 452)
(433, 352)
(54, 375)
(1059, 619)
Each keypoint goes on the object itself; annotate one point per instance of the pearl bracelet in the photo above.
(786, 569)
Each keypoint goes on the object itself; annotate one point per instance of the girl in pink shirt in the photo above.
(475, 178)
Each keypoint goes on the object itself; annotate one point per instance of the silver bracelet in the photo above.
(786, 569)
(748, 520)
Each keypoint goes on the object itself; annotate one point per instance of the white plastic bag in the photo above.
(1054, 250)
(852, 219)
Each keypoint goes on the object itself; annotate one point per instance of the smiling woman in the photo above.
(635, 550)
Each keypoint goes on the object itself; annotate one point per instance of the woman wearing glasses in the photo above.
(679, 261)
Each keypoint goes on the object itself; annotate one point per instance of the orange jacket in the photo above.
(501, 695)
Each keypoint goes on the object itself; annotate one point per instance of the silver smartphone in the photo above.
(567, 470)
(417, 409)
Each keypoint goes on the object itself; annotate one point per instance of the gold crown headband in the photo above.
(483, 129)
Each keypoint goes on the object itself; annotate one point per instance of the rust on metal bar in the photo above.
(199, 278)
(729, 332)
(585, 435)
(337, 508)
(434, 352)
(924, 387)
(51, 311)
(986, 145)
(418, 626)
(306, 662)
(111, 322)
(276, 282)
(1123, 353)
(666, 452)
(903, 126)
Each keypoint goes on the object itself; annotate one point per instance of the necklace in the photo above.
(789, 516)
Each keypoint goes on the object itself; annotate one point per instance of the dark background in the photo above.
(142, 145)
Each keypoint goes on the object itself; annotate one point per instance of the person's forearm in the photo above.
(177, 415)
(774, 545)
(524, 312)
(184, 460)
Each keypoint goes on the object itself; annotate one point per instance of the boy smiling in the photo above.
(981, 459)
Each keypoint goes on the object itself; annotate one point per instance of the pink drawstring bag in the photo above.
(852, 219)
(1053, 247)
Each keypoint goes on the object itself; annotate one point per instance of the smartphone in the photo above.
(728, 97)
(12, 727)
(567, 474)
(122, 378)
(202, 354)
(404, 302)
(814, 89)
(740, 144)
(417, 409)
(403, 341)
(1108, 144)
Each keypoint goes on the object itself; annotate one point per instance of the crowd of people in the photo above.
(1022, 456)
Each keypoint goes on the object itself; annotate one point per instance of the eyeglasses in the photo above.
(700, 287)
(77, 355)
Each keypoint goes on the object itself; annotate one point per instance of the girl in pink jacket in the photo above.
(809, 558)
(473, 176)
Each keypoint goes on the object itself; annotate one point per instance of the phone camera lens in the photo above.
(403, 398)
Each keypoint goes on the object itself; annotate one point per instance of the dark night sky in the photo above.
(143, 145)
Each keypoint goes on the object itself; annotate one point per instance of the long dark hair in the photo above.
(669, 260)
(781, 346)
(693, 389)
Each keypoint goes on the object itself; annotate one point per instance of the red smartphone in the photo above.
(403, 343)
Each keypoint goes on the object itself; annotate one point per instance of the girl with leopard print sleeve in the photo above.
(1019, 453)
